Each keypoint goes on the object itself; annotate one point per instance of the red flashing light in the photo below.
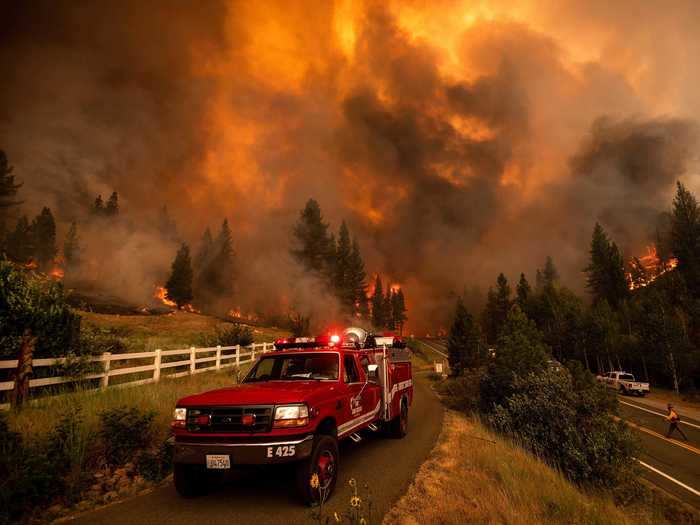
(335, 339)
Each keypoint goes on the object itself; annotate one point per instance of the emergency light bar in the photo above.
(307, 342)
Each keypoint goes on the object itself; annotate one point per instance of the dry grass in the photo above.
(469, 479)
(169, 331)
(36, 419)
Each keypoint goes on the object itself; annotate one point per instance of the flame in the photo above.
(649, 268)
(237, 314)
(57, 272)
(161, 294)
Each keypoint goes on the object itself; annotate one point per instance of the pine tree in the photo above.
(685, 237)
(497, 307)
(19, 245)
(205, 252)
(112, 207)
(44, 233)
(312, 244)
(378, 317)
(99, 206)
(357, 281)
(464, 347)
(71, 247)
(523, 292)
(223, 261)
(606, 273)
(550, 275)
(341, 274)
(398, 307)
(388, 313)
(179, 285)
(8, 188)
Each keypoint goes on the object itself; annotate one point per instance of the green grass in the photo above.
(144, 333)
(38, 418)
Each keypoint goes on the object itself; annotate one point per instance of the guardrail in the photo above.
(219, 357)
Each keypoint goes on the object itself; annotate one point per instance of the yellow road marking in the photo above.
(660, 436)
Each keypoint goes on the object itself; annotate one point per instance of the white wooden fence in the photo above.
(223, 356)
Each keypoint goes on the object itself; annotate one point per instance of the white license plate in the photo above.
(218, 461)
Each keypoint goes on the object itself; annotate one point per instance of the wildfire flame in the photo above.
(645, 269)
(237, 314)
(161, 294)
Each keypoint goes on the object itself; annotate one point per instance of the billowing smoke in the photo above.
(457, 139)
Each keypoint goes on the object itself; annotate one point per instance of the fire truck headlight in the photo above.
(291, 416)
(179, 418)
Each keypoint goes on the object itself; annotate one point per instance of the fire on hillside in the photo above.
(646, 269)
(161, 294)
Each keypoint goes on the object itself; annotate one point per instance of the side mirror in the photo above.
(372, 372)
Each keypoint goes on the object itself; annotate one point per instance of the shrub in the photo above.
(125, 431)
(569, 428)
(461, 392)
(154, 465)
(236, 334)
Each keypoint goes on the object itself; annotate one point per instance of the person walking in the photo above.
(673, 419)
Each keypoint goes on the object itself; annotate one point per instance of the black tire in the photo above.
(398, 427)
(324, 463)
(195, 480)
(623, 392)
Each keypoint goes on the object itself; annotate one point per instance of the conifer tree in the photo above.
(523, 292)
(312, 244)
(19, 245)
(398, 307)
(606, 272)
(685, 237)
(464, 347)
(8, 189)
(71, 247)
(99, 206)
(179, 285)
(497, 307)
(205, 252)
(388, 313)
(44, 233)
(550, 275)
(357, 281)
(223, 261)
(112, 207)
(341, 274)
(378, 317)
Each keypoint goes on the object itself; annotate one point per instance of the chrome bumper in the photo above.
(269, 452)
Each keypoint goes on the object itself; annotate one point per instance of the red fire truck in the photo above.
(294, 405)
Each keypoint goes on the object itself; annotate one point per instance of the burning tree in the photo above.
(179, 285)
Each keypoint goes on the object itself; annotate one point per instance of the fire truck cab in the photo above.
(294, 405)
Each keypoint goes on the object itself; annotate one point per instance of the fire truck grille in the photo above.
(243, 419)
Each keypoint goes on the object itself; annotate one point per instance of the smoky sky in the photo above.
(457, 140)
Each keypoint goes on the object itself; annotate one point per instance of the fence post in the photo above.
(156, 366)
(106, 363)
(264, 347)
(252, 352)
(192, 360)
(238, 356)
(218, 357)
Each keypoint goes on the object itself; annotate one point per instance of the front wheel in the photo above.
(316, 476)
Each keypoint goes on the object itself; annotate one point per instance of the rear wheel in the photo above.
(398, 427)
(623, 392)
(316, 476)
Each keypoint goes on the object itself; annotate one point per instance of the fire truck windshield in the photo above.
(295, 367)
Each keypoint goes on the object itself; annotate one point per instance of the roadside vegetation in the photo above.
(476, 476)
(83, 449)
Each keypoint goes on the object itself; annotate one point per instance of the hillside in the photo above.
(176, 329)
(473, 476)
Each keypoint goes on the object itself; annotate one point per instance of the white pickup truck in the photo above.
(624, 383)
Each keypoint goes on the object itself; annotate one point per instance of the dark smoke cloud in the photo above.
(451, 160)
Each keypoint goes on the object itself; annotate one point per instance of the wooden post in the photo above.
(218, 357)
(238, 356)
(264, 347)
(106, 365)
(192, 359)
(252, 352)
(156, 366)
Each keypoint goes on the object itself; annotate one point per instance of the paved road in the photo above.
(672, 458)
(266, 496)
